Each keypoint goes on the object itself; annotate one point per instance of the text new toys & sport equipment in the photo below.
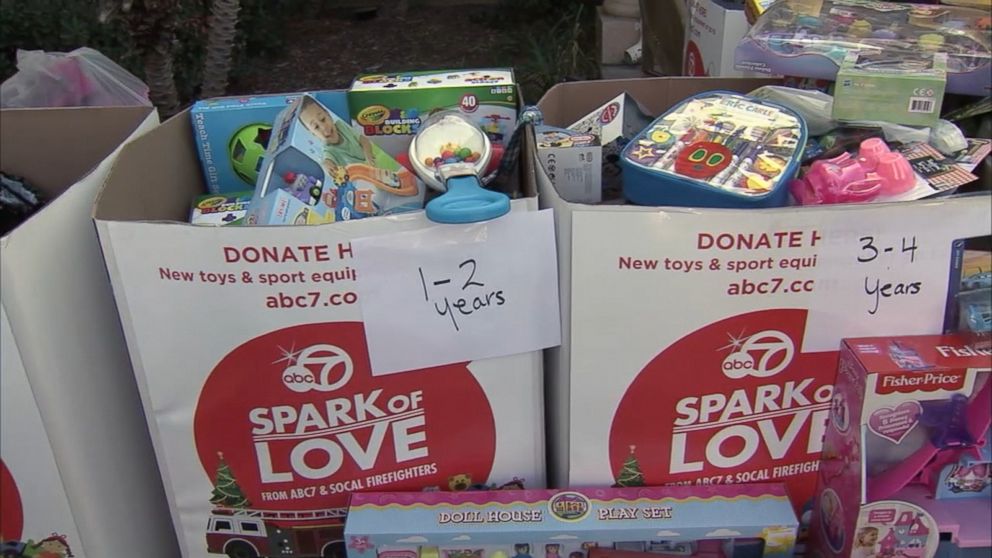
(875, 171)
(792, 39)
(716, 149)
(732, 521)
(450, 153)
(905, 465)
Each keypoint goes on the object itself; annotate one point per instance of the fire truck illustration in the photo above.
(245, 533)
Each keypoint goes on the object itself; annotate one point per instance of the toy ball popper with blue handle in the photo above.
(450, 153)
(716, 149)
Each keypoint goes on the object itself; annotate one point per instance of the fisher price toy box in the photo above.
(389, 108)
(716, 149)
(318, 170)
(727, 522)
(906, 466)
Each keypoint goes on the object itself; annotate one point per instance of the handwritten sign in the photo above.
(878, 272)
(455, 293)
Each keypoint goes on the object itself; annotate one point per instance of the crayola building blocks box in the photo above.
(906, 467)
(231, 135)
(389, 108)
(317, 169)
(904, 90)
(220, 209)
(725, 521)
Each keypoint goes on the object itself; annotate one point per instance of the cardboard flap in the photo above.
(135, 192)
(567, 102)
(54, 147)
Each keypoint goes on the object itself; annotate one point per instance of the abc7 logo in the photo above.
(775, 349)
(334, 369)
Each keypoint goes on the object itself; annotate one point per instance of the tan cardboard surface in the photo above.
(55, 147)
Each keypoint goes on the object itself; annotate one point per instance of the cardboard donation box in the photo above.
(252, 362)
(700, 345)
(77, 470)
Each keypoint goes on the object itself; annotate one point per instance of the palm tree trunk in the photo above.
(161, 77)
(220, 43)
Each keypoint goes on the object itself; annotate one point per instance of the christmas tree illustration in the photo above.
(630, 473)
(227, 493)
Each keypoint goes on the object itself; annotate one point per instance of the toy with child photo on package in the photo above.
(318, 170)
(907, 466)
(752, 521)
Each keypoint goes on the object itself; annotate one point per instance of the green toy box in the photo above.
(388, 108)
(900, 90)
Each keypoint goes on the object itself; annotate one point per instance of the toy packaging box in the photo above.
(220, 209)
(727, 522)
(251, 359)
(906, 466)
(717, 149)
(319, 170)
(232, 134)
(573, 160)
(906, 91)
(389, 108)
(793, 40)
(715, 28)
(615, 123)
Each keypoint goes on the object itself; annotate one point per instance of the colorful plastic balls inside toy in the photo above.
(246, 150)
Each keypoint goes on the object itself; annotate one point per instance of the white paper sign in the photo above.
(455, 293)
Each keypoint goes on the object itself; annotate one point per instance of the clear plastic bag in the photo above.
(83, 77)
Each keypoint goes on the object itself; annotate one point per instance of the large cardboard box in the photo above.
(714, 29)
(77, 462)
(251, 360)
(699, 345)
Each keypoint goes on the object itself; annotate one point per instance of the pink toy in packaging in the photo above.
(906, 467)
(875, 171)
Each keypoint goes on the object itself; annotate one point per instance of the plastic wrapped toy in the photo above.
(716, 149)
(797, 40)
(876, 171)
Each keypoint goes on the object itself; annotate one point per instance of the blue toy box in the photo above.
(725, 521)
(716, 149)
(231, 136)
(316, 162)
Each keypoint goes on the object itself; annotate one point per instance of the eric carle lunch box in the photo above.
(717, 149)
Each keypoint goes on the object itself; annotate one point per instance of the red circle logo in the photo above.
(11, 512)
(469, 103)
(693, 61)
(294, 420)
(733, 402)
(609, 113)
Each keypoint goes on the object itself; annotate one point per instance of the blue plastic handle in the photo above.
(466, 201)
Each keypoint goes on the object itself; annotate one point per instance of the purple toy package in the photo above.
(811, 39)
(906, 468)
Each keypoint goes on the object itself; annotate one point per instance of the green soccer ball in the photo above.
(247, 148)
